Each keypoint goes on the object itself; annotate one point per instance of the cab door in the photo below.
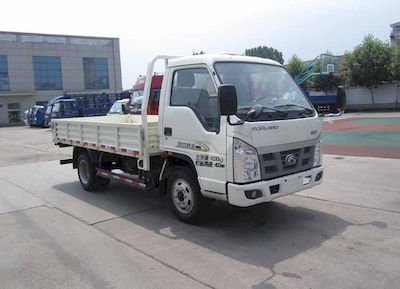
(192, 126)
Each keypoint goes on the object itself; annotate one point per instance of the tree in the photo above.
(326, 82)
(265, 52)
(369, 64)
(297, 67)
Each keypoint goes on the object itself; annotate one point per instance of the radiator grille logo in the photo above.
(290, 159)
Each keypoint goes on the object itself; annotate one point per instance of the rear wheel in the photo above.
(87, 174)
(185, 197)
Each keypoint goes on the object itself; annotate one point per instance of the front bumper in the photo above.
(287, 185)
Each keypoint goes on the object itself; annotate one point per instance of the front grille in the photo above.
(275, 164)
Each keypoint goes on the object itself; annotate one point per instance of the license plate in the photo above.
(306, 180)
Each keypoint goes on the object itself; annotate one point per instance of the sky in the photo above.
(148, 28)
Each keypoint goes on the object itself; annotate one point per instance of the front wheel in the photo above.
(87, 174)
(185, 197)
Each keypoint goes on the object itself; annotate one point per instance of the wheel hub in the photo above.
(182, 195)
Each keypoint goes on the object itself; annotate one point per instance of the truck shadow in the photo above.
(261, 236)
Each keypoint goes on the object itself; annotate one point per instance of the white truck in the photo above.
(230, 128)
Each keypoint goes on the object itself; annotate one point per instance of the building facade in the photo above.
(395, 34)
(34, 68)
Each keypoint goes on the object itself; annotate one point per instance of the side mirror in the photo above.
(123, 108)
(340, 98)
(227, 99)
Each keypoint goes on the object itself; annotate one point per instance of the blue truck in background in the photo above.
(78, 105)
(36, 116)
(327, 101)
(322, 100)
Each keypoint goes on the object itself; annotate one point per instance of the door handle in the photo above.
(167, 131)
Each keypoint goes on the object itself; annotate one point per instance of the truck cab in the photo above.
(267, 147)
(120, 107)
(37, 116)
(154, 98)
(61, 107)
(66, 108)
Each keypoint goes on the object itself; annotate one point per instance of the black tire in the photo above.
(182, 179)
(87, 174)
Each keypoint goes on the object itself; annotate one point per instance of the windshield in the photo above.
(137, 95)
(64, 106)
(265, 85)
(113, 108)
(116, 108)
(69, 105)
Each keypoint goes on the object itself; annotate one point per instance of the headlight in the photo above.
(245, 162)
(317, 152)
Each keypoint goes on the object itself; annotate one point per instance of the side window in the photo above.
(195, 89)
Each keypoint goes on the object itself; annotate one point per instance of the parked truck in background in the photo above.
(36, 116)
(327, 101)
(121, 106)
(26, 115)
(137, 94)
(231, 128)
(79, 105)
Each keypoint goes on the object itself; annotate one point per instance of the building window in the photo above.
(90, 41)
(4, 81)
(14, 113)
(96, 73)
(47, 72)
(8, 37)
(44, 39)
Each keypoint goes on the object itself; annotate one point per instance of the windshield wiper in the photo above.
(263, 107)
(282, 112)
(308, 110)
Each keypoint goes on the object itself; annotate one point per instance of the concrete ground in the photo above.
(53, 234)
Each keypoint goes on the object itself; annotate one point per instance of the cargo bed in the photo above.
(120, 134)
